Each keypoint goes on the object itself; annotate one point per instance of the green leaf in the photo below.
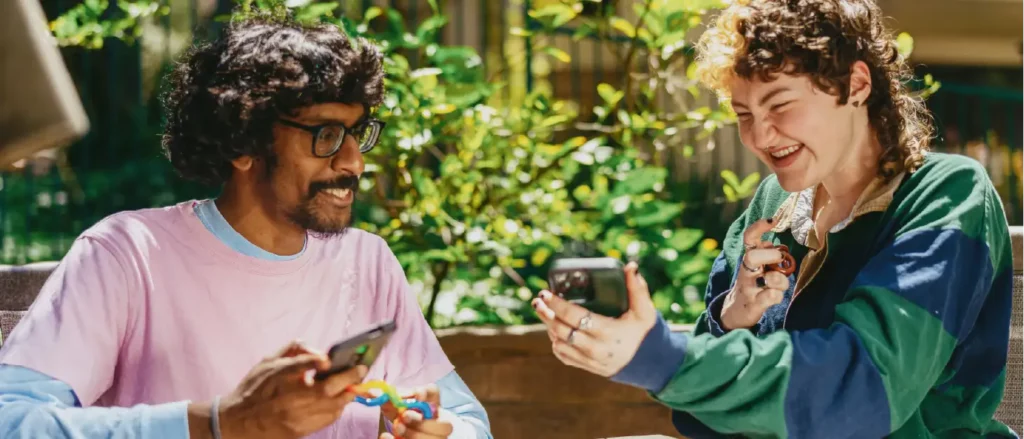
(608, 93)
(730, 193)
(641, 180)
(750, 182)
(691, 71)
(683, 240)
(657, 213)
(315, 11)
(558, 54)
(537, 283)
(440, 255)
(556, 14)
(730, 178)
(582, 31)
(904, 44)
(430, 26)
(519, 32)
(685, 267)
(371, 13)
(623, 26)
(396, 25)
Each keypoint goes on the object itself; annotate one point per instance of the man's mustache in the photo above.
(344, 182)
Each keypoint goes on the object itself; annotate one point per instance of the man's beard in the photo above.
(305, 215)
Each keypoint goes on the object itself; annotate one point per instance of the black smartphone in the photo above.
(362, 348)
(597, 284)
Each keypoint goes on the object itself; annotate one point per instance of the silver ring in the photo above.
(749, 246)
(743, 262)
(585, 322)
(572, 333)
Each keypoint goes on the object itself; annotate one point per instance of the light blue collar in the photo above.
(211, 217)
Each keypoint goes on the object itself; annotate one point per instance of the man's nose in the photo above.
(349, 160)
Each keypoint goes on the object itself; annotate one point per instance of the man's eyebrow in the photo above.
(324, 120)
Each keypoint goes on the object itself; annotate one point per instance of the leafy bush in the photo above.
(476, 199)
(476, 194)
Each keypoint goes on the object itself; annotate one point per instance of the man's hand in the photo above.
(755, 290)
(280, 399)
(412, 425)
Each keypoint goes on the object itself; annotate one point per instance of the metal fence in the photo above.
(118, 165)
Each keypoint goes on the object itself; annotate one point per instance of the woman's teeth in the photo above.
(785, 151)
(340, 193)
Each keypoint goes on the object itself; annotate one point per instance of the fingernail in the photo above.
(760, 282)
(400, 429)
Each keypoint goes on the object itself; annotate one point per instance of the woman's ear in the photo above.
(860, 84)
(243, 163)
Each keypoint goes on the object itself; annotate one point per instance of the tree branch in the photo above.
(628, 94)
(440, 274)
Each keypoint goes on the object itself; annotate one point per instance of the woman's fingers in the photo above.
(753, 233)
(759, 257)
(776, 280)
(768, 297)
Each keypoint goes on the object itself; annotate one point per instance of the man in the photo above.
(178, 322)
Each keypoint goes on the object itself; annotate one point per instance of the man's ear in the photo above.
(860, 84)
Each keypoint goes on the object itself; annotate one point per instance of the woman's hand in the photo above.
(755, 289)
(595, 343)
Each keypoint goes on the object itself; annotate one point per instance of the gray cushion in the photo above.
(1011, 410)
(19, 284)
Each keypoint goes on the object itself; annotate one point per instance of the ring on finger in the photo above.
(743, 262)
(586, 322)
(749, 246)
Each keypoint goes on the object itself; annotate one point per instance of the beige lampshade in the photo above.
(39, 106)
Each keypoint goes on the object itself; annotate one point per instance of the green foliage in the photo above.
(476, 198)
(86, 25)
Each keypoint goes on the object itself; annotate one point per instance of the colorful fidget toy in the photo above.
(788, 264)
(365, 397)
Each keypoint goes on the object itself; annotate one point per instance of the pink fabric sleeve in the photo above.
(415, 357)
(74, 329)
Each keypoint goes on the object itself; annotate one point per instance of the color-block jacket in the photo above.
(896, 323)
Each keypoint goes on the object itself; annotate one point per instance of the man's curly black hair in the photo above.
(225, 95)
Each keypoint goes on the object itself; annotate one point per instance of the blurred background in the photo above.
(517, 130)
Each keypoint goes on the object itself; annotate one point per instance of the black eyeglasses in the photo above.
(328, 138)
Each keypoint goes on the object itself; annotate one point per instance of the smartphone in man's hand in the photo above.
(363, 348)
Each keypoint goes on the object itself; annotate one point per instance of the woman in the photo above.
(896, 319)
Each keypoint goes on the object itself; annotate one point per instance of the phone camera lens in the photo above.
(579, 279)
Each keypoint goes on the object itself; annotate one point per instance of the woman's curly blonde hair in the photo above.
(822, 39)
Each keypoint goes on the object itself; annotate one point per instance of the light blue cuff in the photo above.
(166, 420)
